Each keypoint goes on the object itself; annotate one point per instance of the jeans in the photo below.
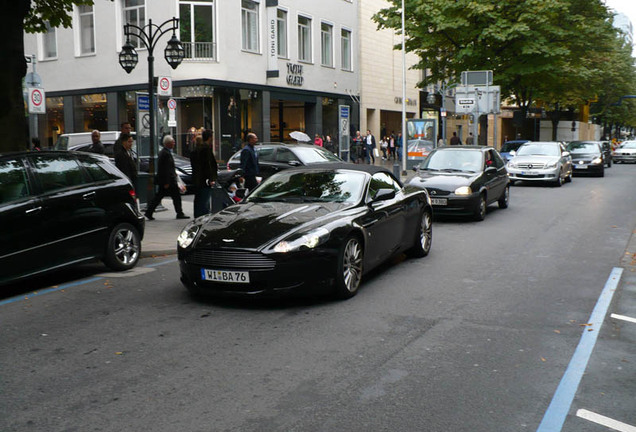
(202, 198)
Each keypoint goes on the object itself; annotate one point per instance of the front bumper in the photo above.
(624, 157)
(455, 204)
(544, 174)
(274, 275)
(587, 167)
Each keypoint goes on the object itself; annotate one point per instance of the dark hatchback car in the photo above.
(59, 209)
(274, 157)
(318, 228)
(464, 180)
(182, 164)
(587, 157)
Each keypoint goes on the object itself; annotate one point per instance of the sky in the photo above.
(628, 7)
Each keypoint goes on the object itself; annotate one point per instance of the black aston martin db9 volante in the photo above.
(309, 227)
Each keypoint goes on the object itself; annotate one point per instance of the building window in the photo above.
(249, 20)
(345, 49)
(49, 43)
(135, 13)
(197, 24)
(304, 39)
(326, 44)
(86, 30)
(281, 29)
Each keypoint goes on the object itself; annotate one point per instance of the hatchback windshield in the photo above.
(538, 149)
(311, 186)
(583, 147)
(452, 160)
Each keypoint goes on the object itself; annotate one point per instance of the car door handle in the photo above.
(88, 196)
(33, 210)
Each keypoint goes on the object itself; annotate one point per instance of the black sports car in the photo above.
(463, 180)
(303, 228)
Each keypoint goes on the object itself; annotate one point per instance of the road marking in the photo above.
(30, 295)
(605, 421)
(624, 318)
(562, 400)
(135, 271)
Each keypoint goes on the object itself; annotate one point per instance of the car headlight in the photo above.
(512, 165)
(464, 190)
(552, 164)
(187, 236)
(306, 241)
(597, 161)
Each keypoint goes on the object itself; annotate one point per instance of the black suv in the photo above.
(59, 208)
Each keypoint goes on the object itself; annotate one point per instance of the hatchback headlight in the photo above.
(597, 161)
(187, 236)
(464, 190)
(306, 241)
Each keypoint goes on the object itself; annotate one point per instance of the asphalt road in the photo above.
(475, 337)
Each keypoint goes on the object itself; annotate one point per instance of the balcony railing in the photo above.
(199, 50)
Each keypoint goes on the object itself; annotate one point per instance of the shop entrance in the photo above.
(286, 117)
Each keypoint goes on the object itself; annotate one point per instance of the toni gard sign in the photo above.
(295, 74)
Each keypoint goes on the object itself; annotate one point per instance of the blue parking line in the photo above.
(68, 285)
(562, 400)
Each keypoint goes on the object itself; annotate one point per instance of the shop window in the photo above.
(249, 21)
(304, 38)
(326, 44)
(345, 49)
(197, 26)
(86, 36)
(54, 119)
(281, 29)
(134, 13)
(90, 112)
(49, 43)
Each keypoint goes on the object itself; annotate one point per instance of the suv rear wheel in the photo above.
(123, 248)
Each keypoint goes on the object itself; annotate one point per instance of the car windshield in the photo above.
(538, 149)
(314, 155)
(510, 146)
(583, 147)
(452, 160)
(629, 145)
(311, 186)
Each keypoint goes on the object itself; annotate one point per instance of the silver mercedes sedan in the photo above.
(546, 161)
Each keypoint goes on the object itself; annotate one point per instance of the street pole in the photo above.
(404, 143)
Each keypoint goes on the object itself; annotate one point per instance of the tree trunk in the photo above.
(13, 123)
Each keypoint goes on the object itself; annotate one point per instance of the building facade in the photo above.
(267, 66)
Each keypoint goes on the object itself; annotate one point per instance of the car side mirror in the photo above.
(512, 152)
(294, 163)
(384, 195)
(566, 154)
(490, 170)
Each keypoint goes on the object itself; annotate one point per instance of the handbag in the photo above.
(181, 184)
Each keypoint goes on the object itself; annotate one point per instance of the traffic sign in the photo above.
(37, 101)
(165, 86)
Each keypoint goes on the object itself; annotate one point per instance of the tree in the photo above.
(528, 44)
(20, 16)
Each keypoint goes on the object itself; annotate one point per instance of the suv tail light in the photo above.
(132, 193)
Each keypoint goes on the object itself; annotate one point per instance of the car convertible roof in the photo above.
(370, 169)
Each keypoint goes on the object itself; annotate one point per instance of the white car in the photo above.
(546, 161)
(625, 153)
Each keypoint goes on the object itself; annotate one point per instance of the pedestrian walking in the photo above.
(384, 145)
(204, 172)
(125, 128)
(328, 144)
(369, 141)
(392, 146)
(124, 160)
(96, 146)
(249, 162)
(455, 139)
(318, 141)
(356, 148)
(166, 181)
(470, 140)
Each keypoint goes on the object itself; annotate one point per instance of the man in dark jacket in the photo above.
(249, 162)
(125, 129)
(204, 173)
(124, 159)
(97, 146)
(166, 181)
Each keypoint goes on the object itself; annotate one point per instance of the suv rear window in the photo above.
(57, 172)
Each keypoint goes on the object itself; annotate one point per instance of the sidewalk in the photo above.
(160, 237)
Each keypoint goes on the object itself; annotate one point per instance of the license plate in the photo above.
(528, 173)
(580, 166)
(439, 201)
(225, 276)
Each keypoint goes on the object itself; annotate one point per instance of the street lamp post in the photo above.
(174, 53)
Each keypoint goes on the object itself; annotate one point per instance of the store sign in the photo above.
(272, 42)
(295, 74)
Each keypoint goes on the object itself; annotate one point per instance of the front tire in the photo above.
(349, 271)
(423, 236)
(559, 180)
(123, 248)
(480, 210)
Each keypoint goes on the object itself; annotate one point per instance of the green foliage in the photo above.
(55, 12)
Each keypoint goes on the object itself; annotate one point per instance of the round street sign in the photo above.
(172, 104)
(164, 83)
(36, 97)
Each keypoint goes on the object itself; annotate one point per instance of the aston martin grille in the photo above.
(230, 259)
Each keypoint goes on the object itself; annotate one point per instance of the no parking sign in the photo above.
(37, 101)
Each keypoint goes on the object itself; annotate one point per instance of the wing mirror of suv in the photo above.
(513, 152)
(566, 154)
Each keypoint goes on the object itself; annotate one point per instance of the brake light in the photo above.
(132, 193)
(227, 165)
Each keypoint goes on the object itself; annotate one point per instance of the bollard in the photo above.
(396, 170)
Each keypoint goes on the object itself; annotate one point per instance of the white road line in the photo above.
(624, 318)
(605, 421)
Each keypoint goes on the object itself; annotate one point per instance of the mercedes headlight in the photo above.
(464, 190)
(597, 161)
(552, 164)
(187, 236)
(306, 241)
(512, 164)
